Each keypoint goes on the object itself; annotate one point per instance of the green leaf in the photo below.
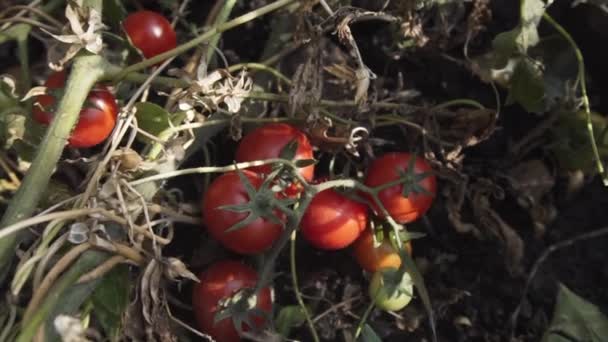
(300, 163)
(110, 300)
(418, 280)
(571, 146)
(527, 86)
(575, 319)
(289, 151)
(114, 13)
(523, 36)
(289, 317)
(151, 118)
(368, 335)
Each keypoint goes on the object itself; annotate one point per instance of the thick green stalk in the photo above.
(85, 73)
(221, 18)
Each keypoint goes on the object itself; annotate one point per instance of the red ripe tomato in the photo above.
(220, 281)
(391, 167)
(373, 259)
(97, 117)
(333, 221)
(253, 238)
(150, 32)
(268, 141)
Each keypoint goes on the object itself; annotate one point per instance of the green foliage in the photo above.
(289, 317)
(575, 319)
(527, 86)
(572, 147)
(368, 335)
(110, 300)
(114, 13)
(151, 118)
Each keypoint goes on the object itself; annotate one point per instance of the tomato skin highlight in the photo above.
(374, 259)
(333, 221)
(96, 120)
(403, 209)
(150, 33)
(220, 281)
(253, 238)
(384, 300)
(268, 141)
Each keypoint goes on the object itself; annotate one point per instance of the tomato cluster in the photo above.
(332, 220)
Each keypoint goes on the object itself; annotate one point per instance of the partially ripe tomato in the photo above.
(268, 141)
(220, 281)
(97, 117)
(253, 238)
(333, 221)
(396, 300)
(422, 185)
(374, 259)
(150, 33)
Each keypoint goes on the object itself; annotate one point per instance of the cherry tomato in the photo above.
(150, 32)
(97, 117)
(390, 301)
(373, 259)
(268, 141)
(333, 221)
(220, 281)
(253, 238)
(391, 167)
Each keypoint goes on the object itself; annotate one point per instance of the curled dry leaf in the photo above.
(307, 85)
(176, 269)
(467, 127)
(84, 32)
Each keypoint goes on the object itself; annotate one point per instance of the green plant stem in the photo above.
(262, 67)
(581, 74)
(296, 288)
(458, 102)
(24, 60)
(85, 263)
(85, 73)
(363, 319)
(206, 36)
(219, 20)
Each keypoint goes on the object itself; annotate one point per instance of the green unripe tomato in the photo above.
(391, 301)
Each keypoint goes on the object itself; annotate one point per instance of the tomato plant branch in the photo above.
(216, 169)
(585, 97)
(221, 18)
(85, 73)
(206, 36)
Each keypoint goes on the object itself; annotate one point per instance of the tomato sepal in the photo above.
(262, 203)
